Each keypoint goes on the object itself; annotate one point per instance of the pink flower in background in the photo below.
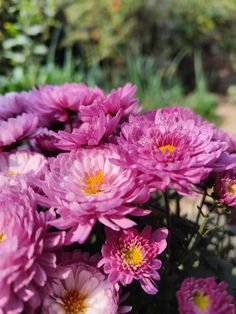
(119, 102)
(85, 185)
(204, 296)
(16, 129)
(86, 290)
(44, 141)
(9, 106)
(166, 151)
(22, 163)
(129, 255)
(26, 249)
(100, 119)
(54, 102)
(225, 187)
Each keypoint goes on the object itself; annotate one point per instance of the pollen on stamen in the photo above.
(73, 302)
(2, 236)
(201, 301)
(93, 183)
(232, 189)
(168, 147)
(133, 256)
(11, 173)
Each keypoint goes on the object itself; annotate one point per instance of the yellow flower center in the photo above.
(2, 236)
(73, 302)
(168, 147)
(93, 183)
(201, 300)
(11, 173)
(232, 189)
(133, 255)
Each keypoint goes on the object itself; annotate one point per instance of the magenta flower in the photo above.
(16, 129)
(100, 119)
(26, 250)
(225, 187)
(52, 103)
(87, 290)
(85, 185)
(89, 133)
(167, 153)
(128, 255)
(22, 163)
(9, 106)
(204, 296)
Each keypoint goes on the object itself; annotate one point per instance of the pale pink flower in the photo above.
(87, 290)
(16, 129)
(22, 163)
(27, 251)
(85, 185)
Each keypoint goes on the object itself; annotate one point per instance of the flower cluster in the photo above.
(74, 162)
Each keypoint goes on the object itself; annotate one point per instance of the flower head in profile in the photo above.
(169, 155)
(87, 290)
(15, 129)
(129, 255)
(57, 102)
(9, 106)
(85, 185)
(23, 164)
(225, 187)
(204, 296)
(27, 251)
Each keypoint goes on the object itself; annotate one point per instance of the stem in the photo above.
(198, 216)
(168, 268)
(177, 205)
(201, 231)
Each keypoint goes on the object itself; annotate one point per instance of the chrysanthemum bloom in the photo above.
(86, 290)
(85, 185)
(128, 255)
(9, 106)
(55, 102)
(165, 150)
(100, 118)
(204, 296)
(26, 249)
(225, 187)
(16, 129)
(22, 163)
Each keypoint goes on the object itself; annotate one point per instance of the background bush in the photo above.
(152, 43)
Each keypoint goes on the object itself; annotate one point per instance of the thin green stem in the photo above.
(201, 231)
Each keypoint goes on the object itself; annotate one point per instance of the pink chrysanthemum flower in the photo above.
(85, 185)
(204, 296)
(26, 249)
(87, 290)
(225, 187)
(128, 255)
(9, 106)
(54, 102)
(16, 129)
(22, 163)
(167, 153)
(100, 118)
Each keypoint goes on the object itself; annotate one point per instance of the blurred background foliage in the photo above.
(173, 50)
